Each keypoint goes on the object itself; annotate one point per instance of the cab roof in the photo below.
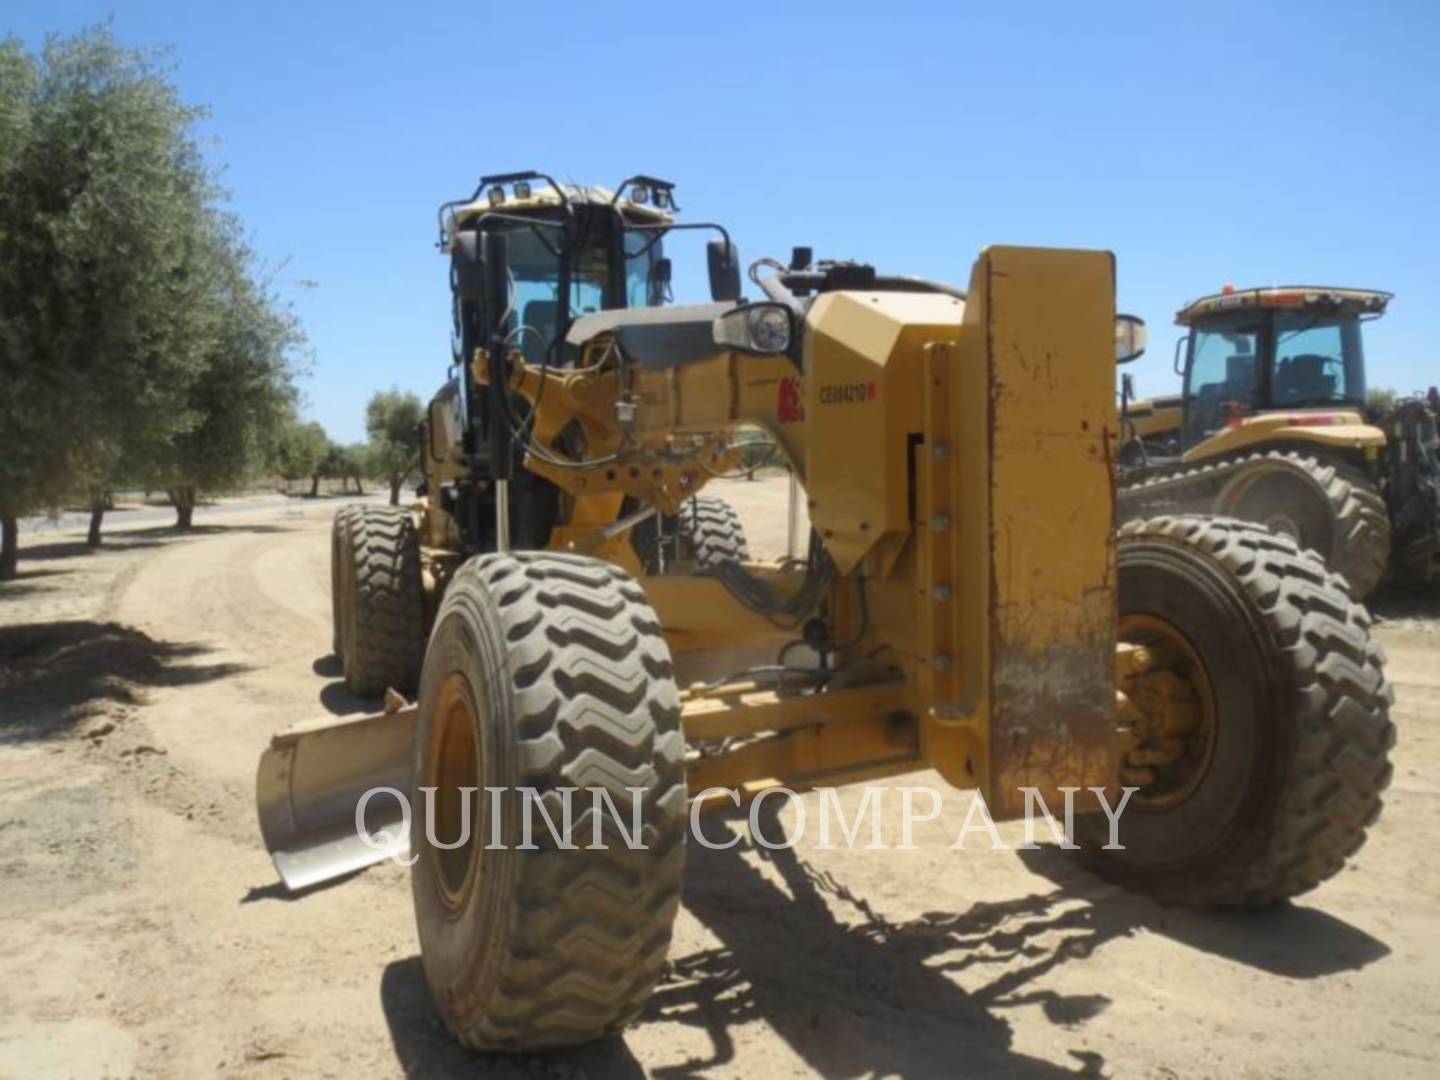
(1284, 296)
(544, 197)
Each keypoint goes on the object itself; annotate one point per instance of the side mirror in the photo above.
(724, 264)
(1130, 338)
(467, 268)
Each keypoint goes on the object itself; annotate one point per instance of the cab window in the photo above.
(1317, 359)
(1224, 369)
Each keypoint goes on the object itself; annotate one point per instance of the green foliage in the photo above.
(392, 420)
(298, 450)
(1381, 398)
(346, 463)
(137, 340)
(244, 396)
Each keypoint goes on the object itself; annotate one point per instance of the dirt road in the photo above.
(142, 933)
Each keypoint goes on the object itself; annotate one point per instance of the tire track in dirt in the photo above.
(155, 945)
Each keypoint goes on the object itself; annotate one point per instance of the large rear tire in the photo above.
(546, 672)
(1322, 505)
(1287, 768)
(384, 607)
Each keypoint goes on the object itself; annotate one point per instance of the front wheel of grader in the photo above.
(379, 600)
(1263, 751)
(546, 673)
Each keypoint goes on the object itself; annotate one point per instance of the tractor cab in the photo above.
(1259, 351)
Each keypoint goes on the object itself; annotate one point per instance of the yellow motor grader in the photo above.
(965, 604)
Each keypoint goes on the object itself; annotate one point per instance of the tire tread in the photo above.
(1332, 792)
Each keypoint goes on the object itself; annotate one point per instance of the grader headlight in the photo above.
(756, 328)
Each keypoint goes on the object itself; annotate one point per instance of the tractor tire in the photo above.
(1297, 756)
(1363, 522)
(712, 532)
(546, 672)
(341, 562)
(1327, 507)
(384, 606)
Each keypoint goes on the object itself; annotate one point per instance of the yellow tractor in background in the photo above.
(965, 604)
(1273, 426)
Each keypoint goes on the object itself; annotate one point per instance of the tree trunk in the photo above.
(396, 481)
(359, 488)
(315, 486)
(183, 499)
(100, 500)
(9, 545)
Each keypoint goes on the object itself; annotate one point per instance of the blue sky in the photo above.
(1203, 143)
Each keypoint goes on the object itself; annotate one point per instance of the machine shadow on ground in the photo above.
(1392, 601)
(886, 1003)
(334, 697)
(425, 1049)
(1289, 940)
(877, 997)
(55, 674)
(869, 996)
(883, 1007)
(889, 1004)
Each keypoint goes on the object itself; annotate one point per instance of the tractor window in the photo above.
(1318, 359)
(1223, 373)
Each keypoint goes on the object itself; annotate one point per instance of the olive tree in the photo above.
(298, 450)
(126, 303)
(243, 395)
(392, 420)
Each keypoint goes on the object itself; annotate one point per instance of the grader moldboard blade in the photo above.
(311, 780)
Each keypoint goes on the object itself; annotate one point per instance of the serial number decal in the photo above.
(847, 393)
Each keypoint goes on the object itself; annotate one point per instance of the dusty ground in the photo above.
(141, 931)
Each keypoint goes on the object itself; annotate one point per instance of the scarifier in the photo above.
(965, 603)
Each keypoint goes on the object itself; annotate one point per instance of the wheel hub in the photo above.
(1174, 734)
(452, 764)
(1283, 525)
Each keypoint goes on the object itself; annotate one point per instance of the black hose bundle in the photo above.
(787, 612)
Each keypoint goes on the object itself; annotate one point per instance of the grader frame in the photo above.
(980, 642)
(966, 605)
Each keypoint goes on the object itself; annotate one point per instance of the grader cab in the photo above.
(965, 604)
